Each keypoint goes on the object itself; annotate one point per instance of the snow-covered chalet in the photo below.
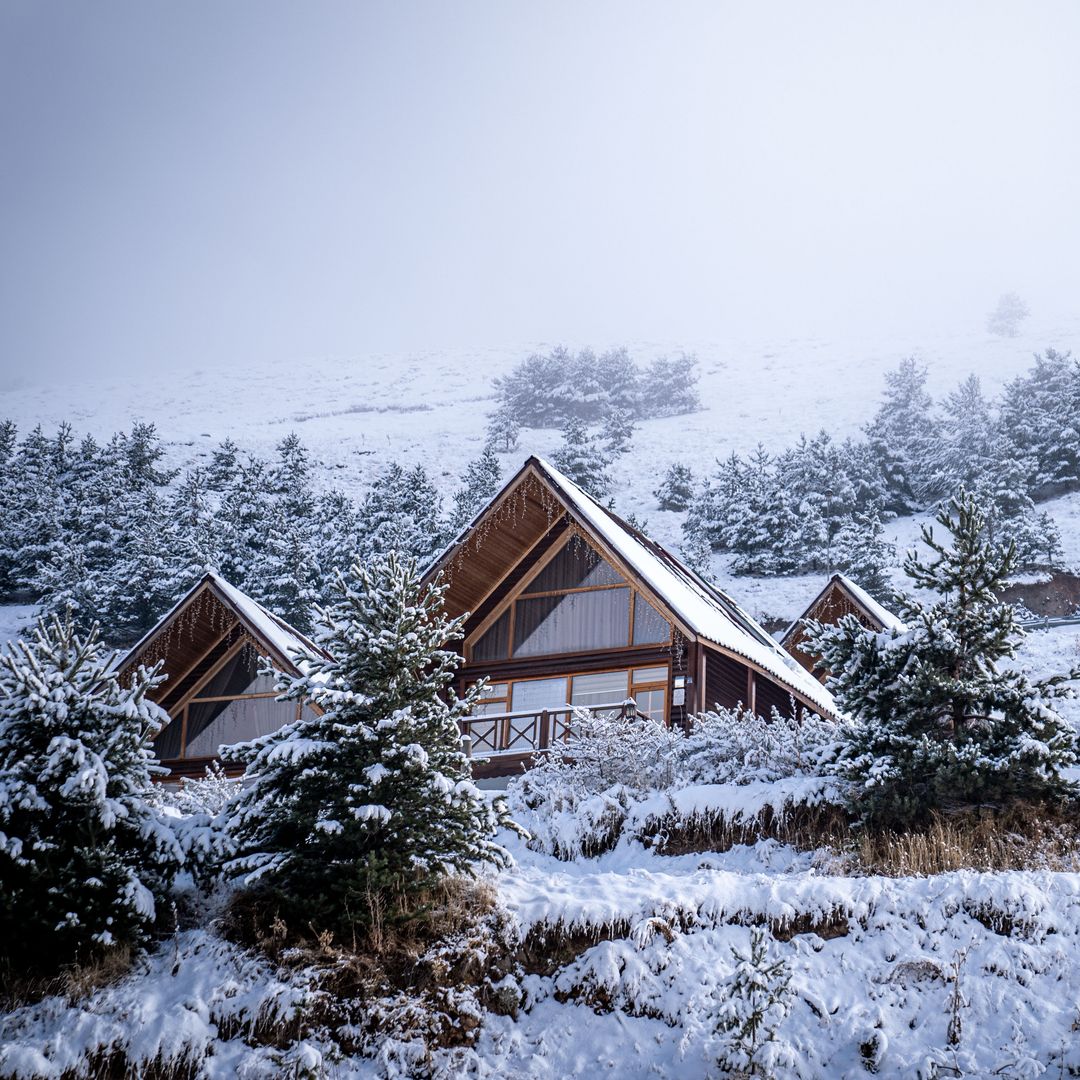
(568, 606)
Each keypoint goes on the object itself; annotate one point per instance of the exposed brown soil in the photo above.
(1054, 598)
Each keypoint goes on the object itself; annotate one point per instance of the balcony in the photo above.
(504, 743)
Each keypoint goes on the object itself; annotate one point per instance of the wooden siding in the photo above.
(768, 696)
(725, 681)
(831, 605)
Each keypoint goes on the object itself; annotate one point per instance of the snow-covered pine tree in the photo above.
(1040, 417)
(753, 1002)
(85, 862)
(861, 551)
(503, 430)
(583, 460)
(142, 452)
(224, 465)
(337, 536)
(286, 577)
(479, 486)
(402, 513)
(669, 386)
(9, 434)
(243, 523)
(367, 805)
(695, 549)
(67, 586)
(618, 431)
(968, 436)
(903, 438)
(531, 394)
(1009, 312)
(676, 490)
(191, 509)
(939, 718)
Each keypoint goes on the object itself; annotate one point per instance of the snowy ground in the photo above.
(878, 966)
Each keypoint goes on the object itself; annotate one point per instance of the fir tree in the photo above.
(143, 451)
(583, 460)
(695, 550)
(402, 513)
(862, 552)
(903, 438)
(618, 431)
(676, 490)
(479, 486)
(224, 465)
(369, 803)
(939, 719)
(754, 1002)
(503, 430)
(669, 387)
(9, 433)
(1008, 314)
(84, 861)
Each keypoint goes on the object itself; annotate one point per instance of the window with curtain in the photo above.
(577, 602)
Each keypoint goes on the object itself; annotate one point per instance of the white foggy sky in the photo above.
(199, 183)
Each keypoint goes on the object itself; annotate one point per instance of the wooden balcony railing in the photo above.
(530, 731)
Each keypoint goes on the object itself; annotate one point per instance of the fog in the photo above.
(201, 184)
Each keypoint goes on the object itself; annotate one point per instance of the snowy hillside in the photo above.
(357, 414)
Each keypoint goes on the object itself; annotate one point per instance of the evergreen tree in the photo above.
(938, 719)
(193, 513)
(503, 430)
(479, 486)
(618, 430)
(695, 550)
(286, 578)
(66, 585)
(224, 465)
(337, 537)
(754, 1001)
(583, 460)
(669, 386)
(370, 803)
(966, 454)
(401, 513)
(85, 863)
(143, 451)
(1008, 314)
(1011, 517)
(903, 438)
(676, 490)
(862, 552)
(1040, 418)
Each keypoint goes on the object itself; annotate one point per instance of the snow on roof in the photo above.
(887, 619)
(276, 632)
(706, 610)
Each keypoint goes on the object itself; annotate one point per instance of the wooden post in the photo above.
(544, 734)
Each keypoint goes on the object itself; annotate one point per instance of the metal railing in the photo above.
(530, 731)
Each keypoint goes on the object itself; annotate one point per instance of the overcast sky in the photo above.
(195, 183)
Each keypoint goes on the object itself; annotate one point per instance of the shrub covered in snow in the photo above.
(370, 802)
(85, 862)
(618, 777)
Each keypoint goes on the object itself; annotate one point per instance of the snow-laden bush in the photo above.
(581, 790)
(618, 776)
(733, 746)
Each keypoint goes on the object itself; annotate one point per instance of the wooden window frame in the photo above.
(569, 676)
(516, 593)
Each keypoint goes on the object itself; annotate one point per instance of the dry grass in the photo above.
(1020, 838)
(74, 982)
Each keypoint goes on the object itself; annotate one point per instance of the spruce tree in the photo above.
(940, 719)
(367, 805)
(754, 1002)
(85, 863)
(676, 490)
(861, 551)
(479, 486)
(503, 430)
(583, 460)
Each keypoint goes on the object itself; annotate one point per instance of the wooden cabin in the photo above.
(212, 643)
(840, 597)
(569, 606)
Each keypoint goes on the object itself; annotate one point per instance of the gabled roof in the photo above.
(880, 618)
(704, 610)
(280, 640)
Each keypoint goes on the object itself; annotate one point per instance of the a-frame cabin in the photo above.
(212, 642)
(840, 597)
(570, 606)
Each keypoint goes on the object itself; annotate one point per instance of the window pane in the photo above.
(603, 688)
(539, 694)
(574, 622)
(167, 743)
(492, 644)
(650, 703)
(649, 674)
(650, 627)
(214, 723)
(576, 566)
(238, 675)
(493, 690)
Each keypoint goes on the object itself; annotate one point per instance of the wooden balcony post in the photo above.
(544, 734)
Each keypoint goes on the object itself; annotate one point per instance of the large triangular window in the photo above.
(576, 602)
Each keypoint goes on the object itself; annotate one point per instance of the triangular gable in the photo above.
(538, 501)
(211, 614)
(840, 596)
